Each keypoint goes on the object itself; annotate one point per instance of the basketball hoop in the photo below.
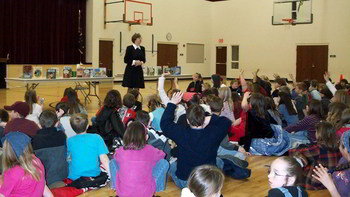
(289, 21)
(142, 22)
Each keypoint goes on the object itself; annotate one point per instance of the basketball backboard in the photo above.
(137, 12)
(298, 10)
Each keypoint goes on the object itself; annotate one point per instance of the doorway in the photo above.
(106, 56)
(167, 55)
(312, 62)
(221, 60)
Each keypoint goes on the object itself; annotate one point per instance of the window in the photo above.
(195, 53)
(235, 57)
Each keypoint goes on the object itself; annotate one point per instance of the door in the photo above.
(221, 60)
(167, 55)
(106, 56)
(312, 62)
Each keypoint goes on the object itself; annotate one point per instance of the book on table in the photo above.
(67, 72)
(88, 72)
(51, 73)
(37, 72)
(27, 71)
(80, 72)
(99, 72)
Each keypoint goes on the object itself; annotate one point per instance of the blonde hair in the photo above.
(226, 96)
(342, 96)
(25, 161)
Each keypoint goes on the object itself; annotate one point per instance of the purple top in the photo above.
(19, 183)
(135, 175)
(341, 179)
(307, 124)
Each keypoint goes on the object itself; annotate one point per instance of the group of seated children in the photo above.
(185, 137)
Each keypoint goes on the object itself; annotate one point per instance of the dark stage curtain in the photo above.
(41, 31)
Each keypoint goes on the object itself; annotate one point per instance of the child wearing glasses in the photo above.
(325, 152)
(138, 169)
(284, 175)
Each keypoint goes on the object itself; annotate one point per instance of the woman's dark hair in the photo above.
(316, 108)
(195, 115)
(135, 136)
(326, 135)
(294, 169)
(216, 81)
(154, 102)
(326, 92)
(286, 99)
(135, 36)
(30, 98)
(73, 102)
(257, 102)
(113, 99)
(270, 104)
(4, 115)
(206, 180)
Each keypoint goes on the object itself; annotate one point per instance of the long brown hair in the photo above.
(326, 135)
(294, 169)
(154, 102)
(26, 161)
(30, 98)
(257, 101)
(135, 136)
(335, 111)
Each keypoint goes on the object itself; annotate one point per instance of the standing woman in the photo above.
(135, 57)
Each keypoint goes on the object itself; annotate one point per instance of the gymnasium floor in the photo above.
(255, 186)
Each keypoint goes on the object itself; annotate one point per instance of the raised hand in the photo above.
(326, 76)
(176, 98)
(321, 174)
(276, 76)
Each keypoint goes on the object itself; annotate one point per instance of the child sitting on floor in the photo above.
(35, 105)
(127, 112)
(138, 104)
(138, 169)
(344, 124)
(204, 181)
(197, 144)
(156, 110)
(325, 151)
(339, 186)
(62, 109)
(85, 151)
(227, 110)
(23, 174)
(284, 175)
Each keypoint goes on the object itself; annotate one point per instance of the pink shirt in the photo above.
(135, 175)
(18, 183)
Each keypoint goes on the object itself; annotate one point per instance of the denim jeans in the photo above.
(183, 183)
(222, 151)
(297, 138)
(159, 173)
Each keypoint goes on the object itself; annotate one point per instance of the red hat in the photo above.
(21, 107)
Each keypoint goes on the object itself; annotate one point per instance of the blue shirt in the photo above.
(157, 115)
(84, 152)
(290, 119)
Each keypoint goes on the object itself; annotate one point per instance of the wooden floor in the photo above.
(256, 185)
